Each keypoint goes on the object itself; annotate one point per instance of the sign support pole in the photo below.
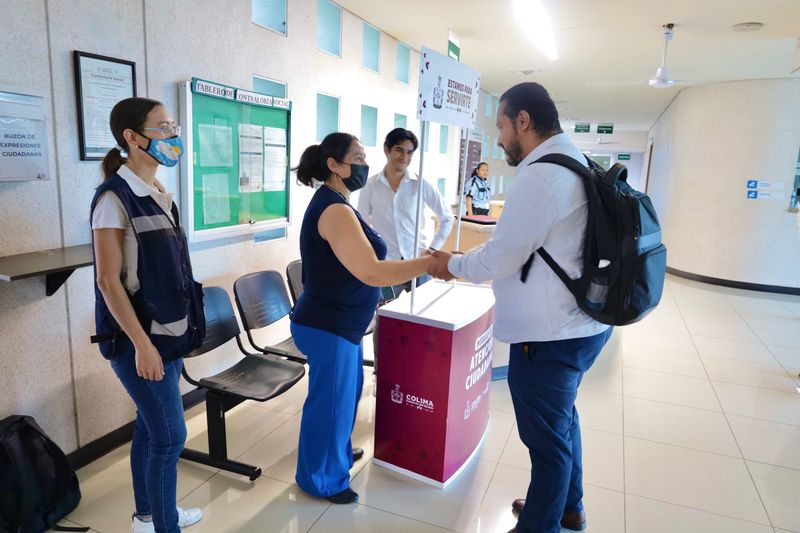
(424, 125)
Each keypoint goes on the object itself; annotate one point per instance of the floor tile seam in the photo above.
(319, 517)
(634, 344)
(585, 483)
(733, 433)
(684, 506)
(684, 447)
(764, 463)
(491, 478)
(773, 389)
(596, 389)
(406, 517)
(671, 373)
(793, 375)
(793, 393)
(676, 404)
(748, 362)
(259, 441)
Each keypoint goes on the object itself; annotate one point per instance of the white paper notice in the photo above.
(216, 145)
(216, 202)
(275, 136)
(275, 159)
(251, 158)
(103, 84)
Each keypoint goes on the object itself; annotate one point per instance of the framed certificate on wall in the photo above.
(100, 82)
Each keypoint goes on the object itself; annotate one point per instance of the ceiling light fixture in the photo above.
(534, 18)
(748, 26)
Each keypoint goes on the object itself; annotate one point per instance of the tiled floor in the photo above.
(691, 423)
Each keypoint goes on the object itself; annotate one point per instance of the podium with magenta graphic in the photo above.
(433, 373)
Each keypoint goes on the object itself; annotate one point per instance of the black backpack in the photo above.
(37, 486)
(624, 262)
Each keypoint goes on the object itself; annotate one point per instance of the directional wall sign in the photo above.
(768, 185)
(623, 157)
(605, 129)
(764, 195)
(583, 128)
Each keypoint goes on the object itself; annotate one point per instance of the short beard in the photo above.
(514, 155)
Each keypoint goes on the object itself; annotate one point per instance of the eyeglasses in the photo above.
(167, 130)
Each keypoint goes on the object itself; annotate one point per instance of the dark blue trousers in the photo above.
(543, 378)
(335, 379)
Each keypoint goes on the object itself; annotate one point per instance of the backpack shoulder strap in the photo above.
(566, 161)
(577, 167)
(26, 480)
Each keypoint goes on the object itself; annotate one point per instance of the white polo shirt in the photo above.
(545, 206)
(394, 215)
(110, 213)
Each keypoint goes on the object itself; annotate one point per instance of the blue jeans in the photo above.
(158, 440)
(543, 378)
(335, 378)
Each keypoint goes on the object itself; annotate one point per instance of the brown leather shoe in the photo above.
(574, 520)
(571, 520)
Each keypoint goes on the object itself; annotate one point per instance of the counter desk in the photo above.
(433, 376)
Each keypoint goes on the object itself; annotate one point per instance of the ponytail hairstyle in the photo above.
(313, 165)
(130, 113)
(475, 170)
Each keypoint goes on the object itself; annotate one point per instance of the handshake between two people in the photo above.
(437, 264)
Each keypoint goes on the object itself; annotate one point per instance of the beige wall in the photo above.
(708, 142)
(49, 369)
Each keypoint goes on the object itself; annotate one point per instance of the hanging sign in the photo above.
(23, 137)
(583, 128)
(448, 91)
(605, 129)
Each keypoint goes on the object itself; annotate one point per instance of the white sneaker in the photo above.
(186, 518)
(189, 517)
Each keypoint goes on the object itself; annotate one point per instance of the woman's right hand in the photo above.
(149, 365)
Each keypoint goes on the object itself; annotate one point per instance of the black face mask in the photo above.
(358, 177)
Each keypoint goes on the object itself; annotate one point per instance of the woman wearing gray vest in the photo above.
(148, 308)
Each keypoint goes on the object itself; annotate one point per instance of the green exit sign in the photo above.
(583, 128)
(606, 129)
(623, 157)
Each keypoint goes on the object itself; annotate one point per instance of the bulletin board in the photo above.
(236, 177)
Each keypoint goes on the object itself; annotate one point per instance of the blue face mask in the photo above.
(166, 151)
(358, 177)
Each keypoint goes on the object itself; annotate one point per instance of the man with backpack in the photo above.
(553, 342)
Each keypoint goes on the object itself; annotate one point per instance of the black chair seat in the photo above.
(286, 348)
(258, 378)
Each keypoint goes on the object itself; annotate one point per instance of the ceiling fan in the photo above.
(662, 79)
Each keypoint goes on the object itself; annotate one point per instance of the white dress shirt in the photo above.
(394, 215)
(545, 206)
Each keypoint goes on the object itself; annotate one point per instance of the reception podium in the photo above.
(433, 374)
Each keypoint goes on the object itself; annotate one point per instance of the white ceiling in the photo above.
(608, 49)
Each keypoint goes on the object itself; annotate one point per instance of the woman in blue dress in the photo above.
(343, 270)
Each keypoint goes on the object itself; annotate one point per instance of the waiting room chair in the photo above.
(294, 275)
(262, 300)
(256, 377)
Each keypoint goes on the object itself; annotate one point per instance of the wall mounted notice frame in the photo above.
(235, 176)
(100, 82)
(23, 135)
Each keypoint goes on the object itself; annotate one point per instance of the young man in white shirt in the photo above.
(389, 201)
(553, 343)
